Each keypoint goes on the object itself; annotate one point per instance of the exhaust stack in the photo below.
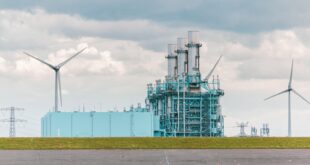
(193, 52)
(172, 61)
(182, 56)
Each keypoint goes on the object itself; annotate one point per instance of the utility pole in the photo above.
(12, 120)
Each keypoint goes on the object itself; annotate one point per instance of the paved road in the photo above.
(156, 157)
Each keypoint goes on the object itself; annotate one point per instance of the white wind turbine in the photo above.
(289, 90)
(57, 68)
(212, 70)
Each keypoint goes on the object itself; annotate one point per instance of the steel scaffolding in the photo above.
(188, 106)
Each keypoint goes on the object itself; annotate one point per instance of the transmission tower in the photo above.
(253, 131)
(242, 128)
(12, 120)
(265, 130)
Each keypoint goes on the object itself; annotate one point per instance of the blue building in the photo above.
(98, 124)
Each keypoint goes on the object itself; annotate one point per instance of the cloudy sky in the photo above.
(127, 43)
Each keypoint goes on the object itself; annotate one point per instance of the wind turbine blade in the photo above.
(60, 91)
(212, 70)
(276, 94)
(69, 59)
(300, 96)
(291, 75)
(36, 58)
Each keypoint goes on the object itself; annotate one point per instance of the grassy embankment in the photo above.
(153, 143)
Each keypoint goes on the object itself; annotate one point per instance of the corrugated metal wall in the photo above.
(98, 124)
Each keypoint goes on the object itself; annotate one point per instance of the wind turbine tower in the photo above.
(289, 90)
(56, 68)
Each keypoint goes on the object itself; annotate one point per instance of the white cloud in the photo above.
(3, 65)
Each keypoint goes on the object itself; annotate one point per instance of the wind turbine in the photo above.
(289, 90)
(56, 68)
(212, 70)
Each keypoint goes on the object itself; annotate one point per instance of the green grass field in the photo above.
(153, 143)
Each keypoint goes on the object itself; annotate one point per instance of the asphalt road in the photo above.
(156, 157)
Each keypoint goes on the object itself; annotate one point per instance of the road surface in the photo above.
(155, 157)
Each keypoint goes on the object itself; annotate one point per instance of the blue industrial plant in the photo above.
(184, 104)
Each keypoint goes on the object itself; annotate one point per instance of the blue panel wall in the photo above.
(97, 124)
(142, 124)
(81, 124)
(101, 125)
(120, 124)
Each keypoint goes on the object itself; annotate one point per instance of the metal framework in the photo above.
(186, 108)
(186, 104)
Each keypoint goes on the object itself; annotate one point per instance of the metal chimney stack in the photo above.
(193, 52)
(172, 61)
(182, 56)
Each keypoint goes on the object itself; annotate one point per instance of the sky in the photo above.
(127, 43)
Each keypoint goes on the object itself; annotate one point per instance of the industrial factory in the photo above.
(183, 104)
